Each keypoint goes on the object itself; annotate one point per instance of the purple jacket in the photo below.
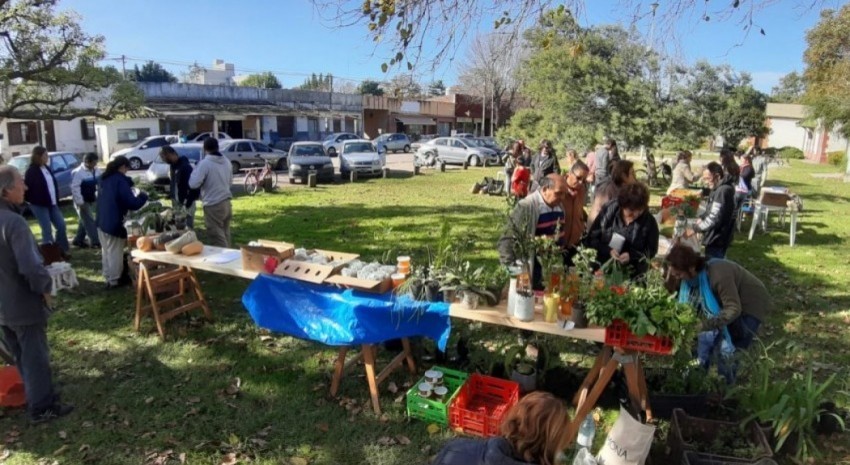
(37, 191)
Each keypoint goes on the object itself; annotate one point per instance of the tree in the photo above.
(48, 66)
(403, 86)
(827, 69)
(789, 90)
(151, 72)
(369, 87)
(743, 114)
(409, 25)
(320, 83)
(265, 80)
(436, 88)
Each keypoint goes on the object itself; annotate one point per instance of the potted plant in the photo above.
(521, 370)
(470, 284)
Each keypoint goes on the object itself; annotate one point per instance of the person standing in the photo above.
(717, 224)
(43, 196)
(213, 176)
(84, 191)
(622, 173)
(180, 170)
(573, 206)
(544, 163)
(25, 286)
(181, 138)
(760, 168)
(570, 160)
(682, 174)
(606, 155)
(116, 199)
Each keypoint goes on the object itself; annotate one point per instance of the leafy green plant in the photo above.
(790, 153)
(465, 278)
(838, 158)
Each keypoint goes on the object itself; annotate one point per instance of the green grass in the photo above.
(137, 397)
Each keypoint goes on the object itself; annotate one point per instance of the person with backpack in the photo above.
(84, 191)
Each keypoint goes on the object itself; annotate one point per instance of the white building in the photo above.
(221, 74)
(790, 126)
(20, 136)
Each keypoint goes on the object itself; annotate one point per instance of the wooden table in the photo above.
(608, 361)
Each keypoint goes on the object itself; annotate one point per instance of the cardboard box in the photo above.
(342, 257)
(774, 199)
(254, 257)
(304, 271)
(366, 285)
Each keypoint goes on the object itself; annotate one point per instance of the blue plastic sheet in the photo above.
(339, 317)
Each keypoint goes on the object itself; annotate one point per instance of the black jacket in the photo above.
(492, 451)
(717, 224)
(641, 237)
(180, 173)
(542, 167)
(37, 191)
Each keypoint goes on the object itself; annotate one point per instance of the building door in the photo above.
(49, 136)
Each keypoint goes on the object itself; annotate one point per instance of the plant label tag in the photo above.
(617, 242)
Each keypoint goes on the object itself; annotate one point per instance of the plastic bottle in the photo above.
(586, 432)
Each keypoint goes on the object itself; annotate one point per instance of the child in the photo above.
(533, 432)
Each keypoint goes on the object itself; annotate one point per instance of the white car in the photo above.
(333, 143)
(361, 156)
(158, 172)
(457, 151)
(145, 151)
(202, 136)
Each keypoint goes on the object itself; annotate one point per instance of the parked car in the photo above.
(422, 139)
(61, 163)
(144, 152)
(362, 157)
(244, 153)
(333, 143)
(457, 151)
(465, 135)
(202, 136)
(395, 142)
(283, 144)
(159, 170)
(491, 144)
(306, 157)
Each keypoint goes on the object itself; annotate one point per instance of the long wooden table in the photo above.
(608, 361)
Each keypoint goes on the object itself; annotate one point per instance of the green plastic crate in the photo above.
(432, 410)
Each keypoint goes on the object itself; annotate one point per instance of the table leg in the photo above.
(592, 375)
(756, 219)
(141, 278)
(793, 228)
(368, 351)
(599, 385)
(339, 367)
(637, 385)
(408, 355)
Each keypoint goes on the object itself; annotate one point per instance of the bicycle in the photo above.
(649, 176)
(256, 177)
(775, 159)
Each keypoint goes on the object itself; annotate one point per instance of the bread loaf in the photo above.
(193, 248)
(176, 245)
(144, 243)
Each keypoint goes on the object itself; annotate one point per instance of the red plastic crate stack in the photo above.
(667, 201)
(617, 334)
(481, 404)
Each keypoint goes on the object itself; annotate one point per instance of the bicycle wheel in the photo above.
(252, 184)
(273, 176)
(642, 176)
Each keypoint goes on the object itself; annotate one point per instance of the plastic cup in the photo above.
(425, 390)
(403, 264)
(398, 279)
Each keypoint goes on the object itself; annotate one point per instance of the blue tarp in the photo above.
(340, 317)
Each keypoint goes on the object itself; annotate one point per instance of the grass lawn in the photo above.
(227, 391)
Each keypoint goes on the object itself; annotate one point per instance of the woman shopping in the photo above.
(43, 196)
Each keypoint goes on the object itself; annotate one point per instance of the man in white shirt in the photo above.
(84, 191)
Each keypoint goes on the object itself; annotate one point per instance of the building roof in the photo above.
(786, 110)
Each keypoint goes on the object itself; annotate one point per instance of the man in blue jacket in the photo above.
(180, 172)
(25, 286)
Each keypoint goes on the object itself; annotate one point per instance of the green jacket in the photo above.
(738, 291)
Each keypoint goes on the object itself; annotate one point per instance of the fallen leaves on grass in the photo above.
(5, 454)
(193, 400)
(298, 461)
(234, 387)
(433, 428)
(386, 441)
(392, 387)
(323, 427)
(229, 459)
(61, 450)
(402, 439)
(63, 435)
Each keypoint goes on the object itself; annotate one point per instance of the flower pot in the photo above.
(469, 300)
(512, 297)
(693, 434)
(524, 308)
(432, 292)
(449, 296)
(526, 376)
(577, 316)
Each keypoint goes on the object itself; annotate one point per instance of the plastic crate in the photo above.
(433, 410)
(481, 404)
(694, 458)
(685, 426)
(617, 334)
(11, 388)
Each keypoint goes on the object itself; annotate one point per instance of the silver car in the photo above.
(307, 157)
(457, 151)
(245, 153)
(333, 142)
(395, 142)
(158, 171)
(362, 156)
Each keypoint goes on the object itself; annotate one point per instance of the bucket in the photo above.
(11, 388)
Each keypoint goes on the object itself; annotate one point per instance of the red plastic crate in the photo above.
(11, 388)
(481, 404)
(617, 334)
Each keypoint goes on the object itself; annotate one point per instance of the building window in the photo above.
(132, 135)
(87, 129)
(23, 133)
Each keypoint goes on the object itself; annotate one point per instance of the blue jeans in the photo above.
(710, 345)
(48, 217)
(715, 252)
(87, 226)
(28, 345)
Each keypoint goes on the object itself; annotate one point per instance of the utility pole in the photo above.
(124, 66)
(331, 102)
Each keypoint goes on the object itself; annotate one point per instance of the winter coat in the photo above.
(641, 237)
(682, 177)
(738, 291)
(492, 451)
(115, 200)
(717, 224)
(180, 173)
(84, 185)
(213, 176)
(37, 191)
(543, 166)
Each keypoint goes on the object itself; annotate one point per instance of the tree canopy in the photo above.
(403, 85)
(827, 69)
(49, 67)
(369, 87)
(152, 72)
(319, 82)
(265, 80)
(790, 89)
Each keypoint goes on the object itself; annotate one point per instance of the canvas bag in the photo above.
(627, 443)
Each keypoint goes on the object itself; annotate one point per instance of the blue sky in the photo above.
(289, 37)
